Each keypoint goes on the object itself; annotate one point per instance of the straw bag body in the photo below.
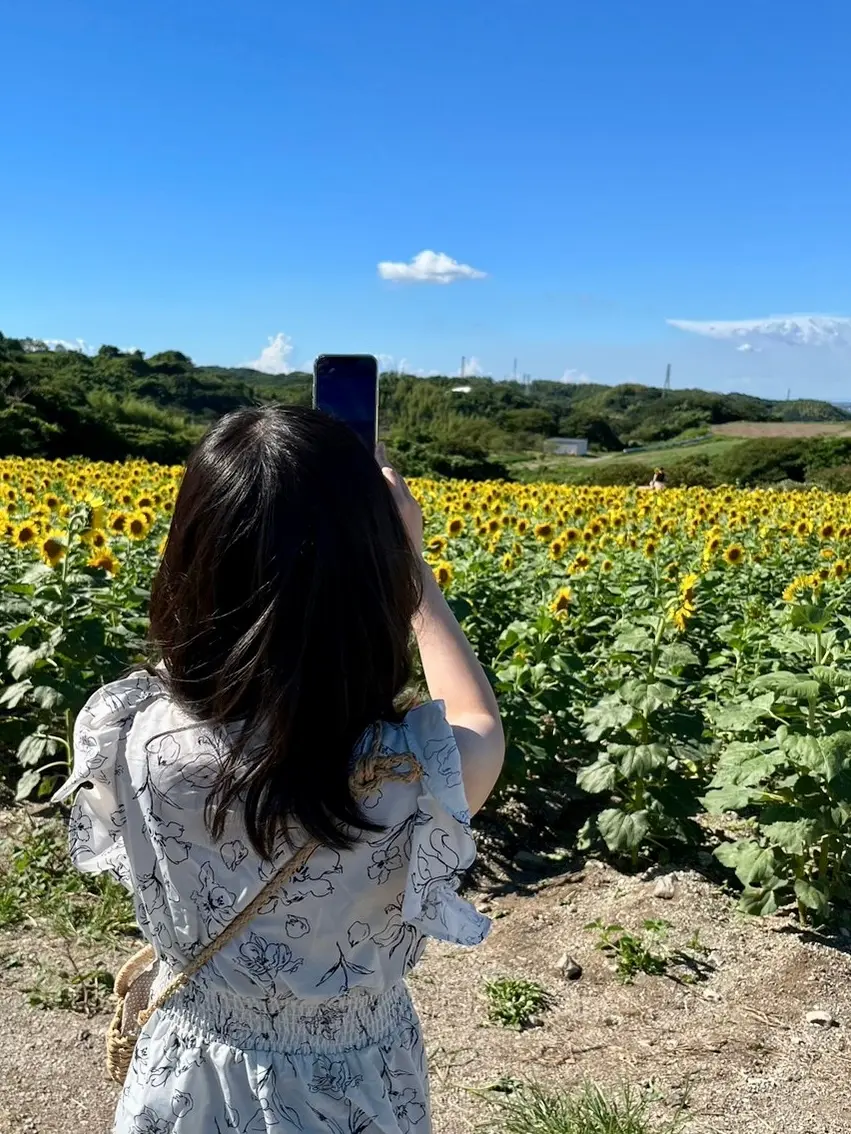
(135, 979)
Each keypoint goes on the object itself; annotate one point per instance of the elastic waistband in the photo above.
(292, 1026)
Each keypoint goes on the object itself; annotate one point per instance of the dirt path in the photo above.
(736, 1044)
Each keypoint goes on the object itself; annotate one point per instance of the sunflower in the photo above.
(827, 530)
(840, 569)
(507, 562)
(455, 526)
(562, 601)
(52, 548)
(25, 534)
(734, 556)
(544, 532)
(650, 548)
(443, 574)
(95, 538)
(606, 566)
(137, 525)
(96, 517)
(794, 588)
(687, 587)
(556, 550)
(105, 561)
(118, 523)
(681, 615)
(436, 545)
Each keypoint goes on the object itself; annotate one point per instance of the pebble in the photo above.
(568, 967)
(821, 1018)
(529, 858)
(665, 887)
(711, 994)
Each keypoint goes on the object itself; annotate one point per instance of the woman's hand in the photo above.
(409, 509)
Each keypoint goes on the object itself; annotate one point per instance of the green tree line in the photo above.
(118, 404)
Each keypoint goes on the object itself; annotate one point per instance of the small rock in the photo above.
(821, 1019)
(711, 994)
(529, 858)
(535, 1022)
(665, 887)
(568, 967)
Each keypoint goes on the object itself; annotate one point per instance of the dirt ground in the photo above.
(781, 429)
(735, 1046)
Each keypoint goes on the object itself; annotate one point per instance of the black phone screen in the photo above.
(346, 387)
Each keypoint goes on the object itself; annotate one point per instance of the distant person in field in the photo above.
(271, 742)
(658, 482)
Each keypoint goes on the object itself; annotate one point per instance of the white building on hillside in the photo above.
(568, 446)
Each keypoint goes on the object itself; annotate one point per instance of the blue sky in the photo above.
(210, 177)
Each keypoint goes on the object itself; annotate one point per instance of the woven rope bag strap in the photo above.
(369, 776)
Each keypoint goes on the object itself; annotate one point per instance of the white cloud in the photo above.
(746, 348)
(790, 330)
(274, 358)
(428, 267)
(472, 368)
(575, 377)
(67, 344)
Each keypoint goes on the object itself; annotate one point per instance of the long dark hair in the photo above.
(283, 605)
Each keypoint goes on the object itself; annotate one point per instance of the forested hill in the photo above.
(116, 404)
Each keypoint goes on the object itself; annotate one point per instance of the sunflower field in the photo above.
(674, 668)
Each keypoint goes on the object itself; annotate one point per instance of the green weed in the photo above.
(589, 1110)
(633, 954)
(514, 1003)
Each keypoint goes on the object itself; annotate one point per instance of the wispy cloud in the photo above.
(788, 330)
(575, 377)
(69, 344)
(472, 368)
(274, 358)
(428, 267)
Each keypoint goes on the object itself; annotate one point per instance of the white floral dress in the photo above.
(304, 1022)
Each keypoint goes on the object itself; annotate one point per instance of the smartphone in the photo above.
(346, 387)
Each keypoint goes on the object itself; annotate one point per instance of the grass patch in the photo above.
(85, 992)
(39, 886)
(515, 1003)
(589, 1110)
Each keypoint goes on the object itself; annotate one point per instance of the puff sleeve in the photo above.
(442, 847)
(97, 822)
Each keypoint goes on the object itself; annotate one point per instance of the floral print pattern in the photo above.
(301, 1023)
